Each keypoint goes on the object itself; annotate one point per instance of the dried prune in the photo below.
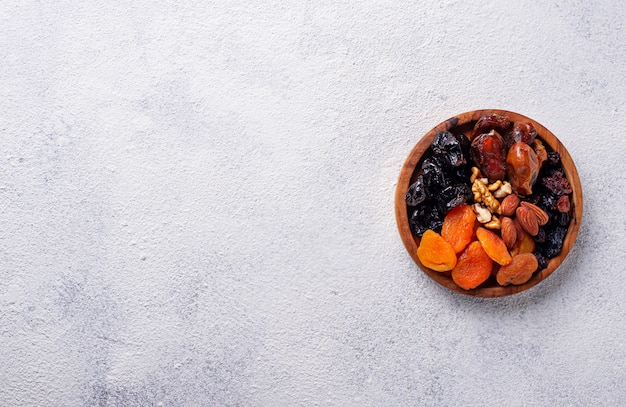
(453, 195)
(416, 193)
(557, 183)
(554, 242)
(522, 167)
(459, 174)
(424, 217)
(521, 132)
(492, 121)
(434, 178)
(465, 145)
(488, 152)
(447, 148)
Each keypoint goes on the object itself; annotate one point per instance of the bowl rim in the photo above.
(411, 242)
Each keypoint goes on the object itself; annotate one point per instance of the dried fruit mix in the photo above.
(464, 182)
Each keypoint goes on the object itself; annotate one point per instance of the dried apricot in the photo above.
(458, 227)
(473, 267)
(524, 244)
(435, 252)
(519, 271)
(494, 246)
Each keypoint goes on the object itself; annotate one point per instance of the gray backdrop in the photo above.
(196, 203)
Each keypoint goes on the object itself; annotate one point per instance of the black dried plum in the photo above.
(452, 196)
(554, 242)
(426, 216)
(465, 145)
(461, 173)
(557, 183)
(416, 193)
(434, 178)
(447, 148)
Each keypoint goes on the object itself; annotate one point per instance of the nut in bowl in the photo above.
(488, 203)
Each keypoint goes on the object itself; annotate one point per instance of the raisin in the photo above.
(554, 158)
(541, 235)
(563, 204)
(557, 183)
(563, 219)
(416, 193)
(547, 202)
(533, 199)
(541, 261)
(554, 242)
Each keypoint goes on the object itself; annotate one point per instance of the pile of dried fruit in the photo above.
(492, 204)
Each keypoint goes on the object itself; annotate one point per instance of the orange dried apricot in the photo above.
(435, 252)
(519, 271)
(458, 227)
(524, 244)
(494, 246)
(473, 267)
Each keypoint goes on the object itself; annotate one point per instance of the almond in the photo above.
(509, 205)
(518, 229)
(508, 231)
(527, 220)
(542, 216)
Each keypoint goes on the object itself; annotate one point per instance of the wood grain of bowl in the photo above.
(463, 124)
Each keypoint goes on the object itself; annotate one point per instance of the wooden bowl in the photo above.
(464, 123)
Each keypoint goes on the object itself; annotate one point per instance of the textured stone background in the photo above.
(196, 203)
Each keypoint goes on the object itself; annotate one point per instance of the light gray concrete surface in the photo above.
(196, 203)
